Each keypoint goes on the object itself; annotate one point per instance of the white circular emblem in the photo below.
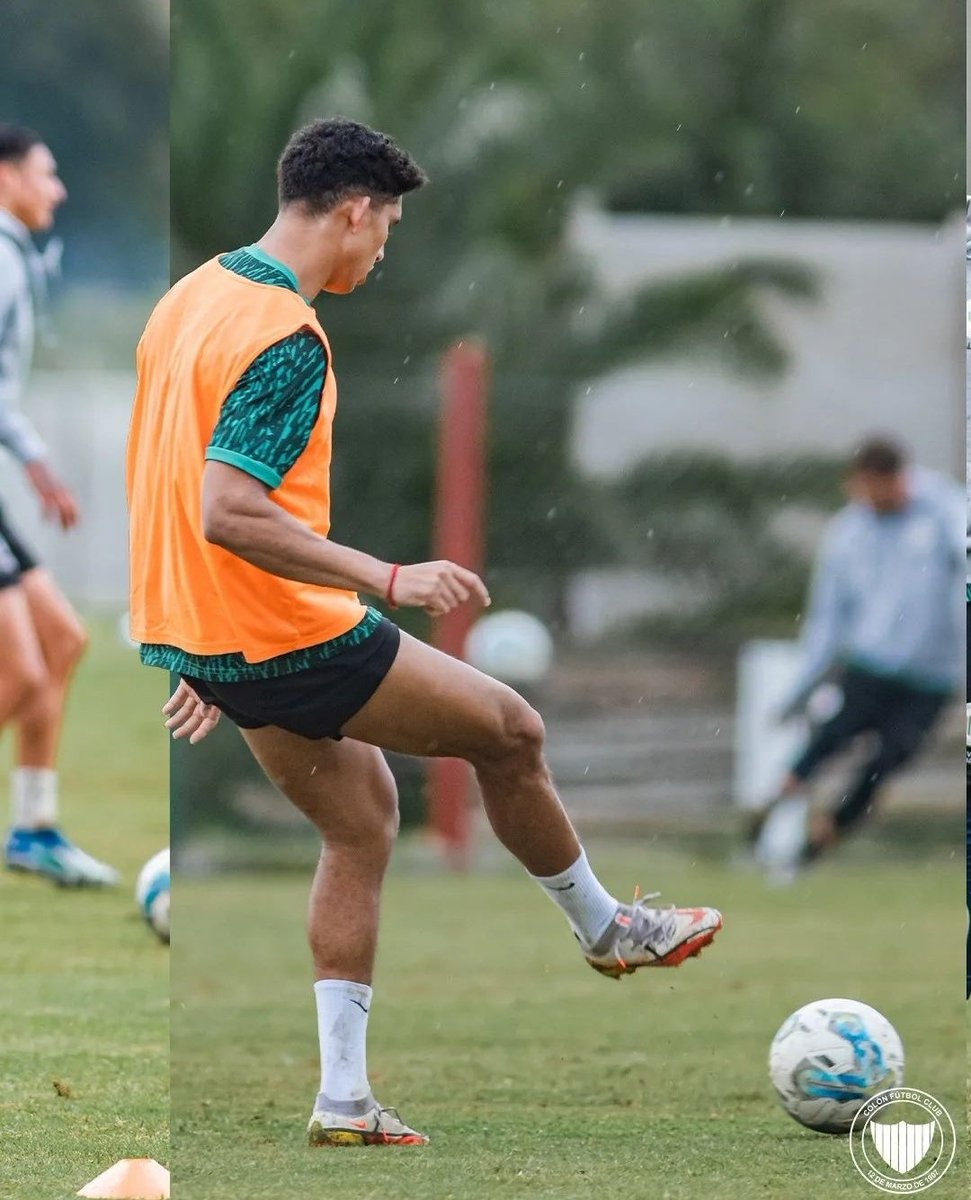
(902, 1140)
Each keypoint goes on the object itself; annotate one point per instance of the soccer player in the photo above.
(41, 637)
(885, 616)
(237, 587)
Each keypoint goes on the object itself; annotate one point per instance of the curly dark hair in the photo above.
(325, 162)
(17, 141)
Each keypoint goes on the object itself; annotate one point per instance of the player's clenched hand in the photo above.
(437, 587)
(188, 716)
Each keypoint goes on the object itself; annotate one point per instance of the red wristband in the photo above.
(389, 594)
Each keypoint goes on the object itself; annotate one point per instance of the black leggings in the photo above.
(898, 715)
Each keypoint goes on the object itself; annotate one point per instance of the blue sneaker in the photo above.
(47, 852)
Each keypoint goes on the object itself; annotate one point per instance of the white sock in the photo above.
(33, 797)
(587, 904)
(342, 1012)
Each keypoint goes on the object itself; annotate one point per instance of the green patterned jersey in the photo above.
(264, 425)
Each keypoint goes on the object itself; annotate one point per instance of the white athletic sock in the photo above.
(342, 1011)
(33, 797)
(587, 904)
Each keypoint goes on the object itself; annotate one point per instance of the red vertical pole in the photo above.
(459, 536)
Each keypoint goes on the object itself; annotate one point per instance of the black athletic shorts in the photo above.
(15, 558)
(315, 703)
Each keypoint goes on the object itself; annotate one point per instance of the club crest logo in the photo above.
(902, 1140)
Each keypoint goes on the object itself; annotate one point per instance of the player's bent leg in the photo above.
(56, 638)
(22, 671)
(903, 728)
(820, 831)
(347, 790)
(858, 802)
(32, 844)
(62, 639)
(780, 832)
(432, 704)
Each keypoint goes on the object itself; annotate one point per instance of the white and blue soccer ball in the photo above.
(829, 1058)
(152, 893)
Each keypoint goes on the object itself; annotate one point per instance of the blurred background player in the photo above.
(884, 619)
(41, 635)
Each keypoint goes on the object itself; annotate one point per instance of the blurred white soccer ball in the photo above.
(152, 893)
(829, 1058)
(512, 646)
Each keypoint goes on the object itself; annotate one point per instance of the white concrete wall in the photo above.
(879, 350)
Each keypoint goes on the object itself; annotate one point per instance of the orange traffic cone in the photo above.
(130, 1179)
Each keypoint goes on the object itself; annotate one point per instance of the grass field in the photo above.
(83, 984)
(535, 1077)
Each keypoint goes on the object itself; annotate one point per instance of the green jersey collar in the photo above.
(270, 261)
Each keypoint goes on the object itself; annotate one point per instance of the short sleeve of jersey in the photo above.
(266, 420)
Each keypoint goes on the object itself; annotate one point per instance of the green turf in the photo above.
(533, 1076)
(83, 983)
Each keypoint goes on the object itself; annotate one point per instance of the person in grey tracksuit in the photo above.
(41, 637)
(885, 618)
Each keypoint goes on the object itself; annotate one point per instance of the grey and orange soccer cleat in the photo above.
(362, 1123)
(645, 936)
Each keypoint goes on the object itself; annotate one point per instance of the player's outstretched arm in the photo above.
(239, 516)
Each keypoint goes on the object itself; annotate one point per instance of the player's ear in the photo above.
(358, 208)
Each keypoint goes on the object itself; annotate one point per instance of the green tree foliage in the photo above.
(838, 108)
